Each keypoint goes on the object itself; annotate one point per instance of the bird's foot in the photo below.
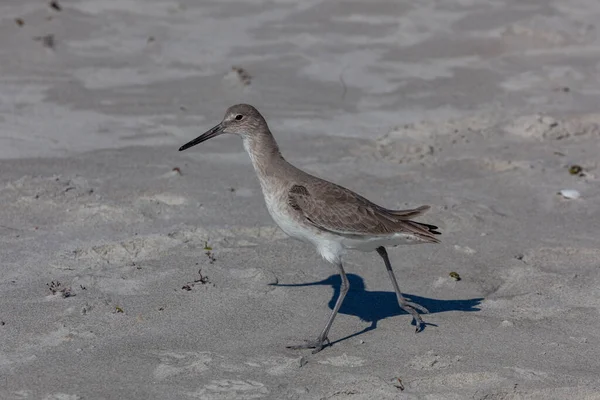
(415, 306)
(412, 309)
(317, 345)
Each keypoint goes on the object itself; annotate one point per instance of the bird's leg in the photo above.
(407, 306)
(318, 344)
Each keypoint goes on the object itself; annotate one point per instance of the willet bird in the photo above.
(328, 216)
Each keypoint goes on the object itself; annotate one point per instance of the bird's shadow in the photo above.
(373, 306)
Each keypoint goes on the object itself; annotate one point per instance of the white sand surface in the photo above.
(477, 108)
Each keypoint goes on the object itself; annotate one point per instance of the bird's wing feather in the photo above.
(336, 209)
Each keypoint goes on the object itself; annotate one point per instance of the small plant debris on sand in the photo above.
(398, 383)
(209, 253)
(455, 276)
(57, 288)
(576, 170)
(203, 280)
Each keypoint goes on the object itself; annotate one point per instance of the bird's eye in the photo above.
(239, 117)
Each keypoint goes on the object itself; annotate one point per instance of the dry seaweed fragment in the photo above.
(203, 280)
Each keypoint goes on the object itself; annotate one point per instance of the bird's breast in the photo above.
(284, 216)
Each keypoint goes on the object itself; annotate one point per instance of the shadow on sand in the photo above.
(372, 306)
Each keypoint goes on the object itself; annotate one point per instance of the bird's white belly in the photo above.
(286, 222)
(328, 245)
(370, 243)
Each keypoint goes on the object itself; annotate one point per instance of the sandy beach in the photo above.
(130, 270)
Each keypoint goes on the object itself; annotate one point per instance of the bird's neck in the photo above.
(265, 155)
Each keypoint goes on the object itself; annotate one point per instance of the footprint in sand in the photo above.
(563, 259)
(539, 127)
(344, 361)
(28, 394)
(230, 389)
(168, 199)
(160, 204)
(176, 363)
(51, 190)
(257, 279)
(361, 387)
(127, 251)
(62, 396)
(446, 383)
(542, 32)
(432, 361)
(542, 284)
(276, 365)
(139, 249)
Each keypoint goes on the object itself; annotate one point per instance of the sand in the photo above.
(133, 271)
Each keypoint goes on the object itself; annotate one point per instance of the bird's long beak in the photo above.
(216, 131)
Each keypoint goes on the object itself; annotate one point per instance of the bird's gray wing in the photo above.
(338, 210)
